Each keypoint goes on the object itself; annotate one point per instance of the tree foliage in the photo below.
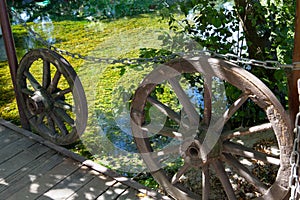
(256, 29)
(78, 9)
(266, 26)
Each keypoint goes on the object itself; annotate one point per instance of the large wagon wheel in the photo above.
(52, 95)
(200, 142)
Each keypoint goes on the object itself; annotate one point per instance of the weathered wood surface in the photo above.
(33, 168)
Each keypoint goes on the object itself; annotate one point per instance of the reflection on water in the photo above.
(121, 139)
(43, 26)
(46, 26)
(109, 135)
(2, 49)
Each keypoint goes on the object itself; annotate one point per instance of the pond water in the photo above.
(108, 88)
(2, 49)
(108, 136)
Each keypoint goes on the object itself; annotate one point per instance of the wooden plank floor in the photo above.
(33, 168)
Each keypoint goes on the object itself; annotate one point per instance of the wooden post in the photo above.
(295, 74)
(11, 56)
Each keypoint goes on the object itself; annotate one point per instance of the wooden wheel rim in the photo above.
(48, 105)
(234, 75)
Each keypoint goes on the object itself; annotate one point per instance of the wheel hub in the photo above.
(191, 153)
(39, 102)
(194, 153)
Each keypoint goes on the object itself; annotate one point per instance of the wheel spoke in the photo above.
(59, 123)
(162, 156)
(47, 130)
(247, 131)
(241, 150)
(34, 83)
(167, 151)
(178, 175)
(235, 106)
(164, 131)
(27, 91)
(40, 118)
(229, 112)
(185, 102)
(215, 131)
(222, 175)
(61, 93)
(51, 124)
(205, 183)
(245, 172)
(207, 100)
(46, 74)
(164, 109)
(64, 116)
(54, 82)
(217, 151)
(53, 97)
(63, 105)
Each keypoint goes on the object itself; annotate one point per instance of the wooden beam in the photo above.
(11, 56)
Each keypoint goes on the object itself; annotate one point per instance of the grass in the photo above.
(108, 87)
(8, 107)
(109, 39)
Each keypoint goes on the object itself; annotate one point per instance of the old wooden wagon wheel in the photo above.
(195, 146)
(52, 95)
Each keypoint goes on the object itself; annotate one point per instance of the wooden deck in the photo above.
(32, 168)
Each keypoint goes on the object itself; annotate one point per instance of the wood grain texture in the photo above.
(34, 168)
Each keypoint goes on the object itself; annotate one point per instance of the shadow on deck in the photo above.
(33, 168)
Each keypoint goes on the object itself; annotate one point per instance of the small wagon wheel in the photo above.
(195, 143)
(52, 95)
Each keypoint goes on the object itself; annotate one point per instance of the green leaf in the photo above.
(216, 22)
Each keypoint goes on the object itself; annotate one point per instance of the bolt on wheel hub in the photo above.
(39, 102)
